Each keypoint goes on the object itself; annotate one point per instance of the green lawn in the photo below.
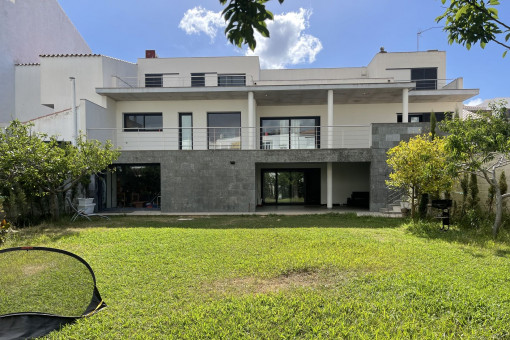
(285, 277)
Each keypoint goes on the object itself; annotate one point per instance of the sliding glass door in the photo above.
(291, 186)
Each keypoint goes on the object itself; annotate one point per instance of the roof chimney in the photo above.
(149, 54)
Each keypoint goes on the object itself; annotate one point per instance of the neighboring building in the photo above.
(222, 135)
(29, 28)
(484, 106)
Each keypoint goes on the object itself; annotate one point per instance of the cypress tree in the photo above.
(433, 123)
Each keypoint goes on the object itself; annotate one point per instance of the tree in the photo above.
(243, 17)
(419, 167)
(433, 124)
(481, 145)
(467, 22)
(41, 165)
(475, 21)
(473, 199)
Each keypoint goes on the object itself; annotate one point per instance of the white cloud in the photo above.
(199, 20)
(288, 44)
(474, 102)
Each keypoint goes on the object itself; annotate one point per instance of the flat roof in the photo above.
(266, 95)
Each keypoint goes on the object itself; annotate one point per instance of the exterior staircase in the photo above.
(393, 207)
(392, 210)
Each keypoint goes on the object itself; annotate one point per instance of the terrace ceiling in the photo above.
(292, 94)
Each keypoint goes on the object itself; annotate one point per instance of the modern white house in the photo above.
(222, 135)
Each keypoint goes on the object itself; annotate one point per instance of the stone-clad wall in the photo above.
(384, 137)
(225, 180)
(207, 181)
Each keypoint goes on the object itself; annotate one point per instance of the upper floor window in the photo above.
(154, 80)
(425, 78)
(290, 133)
(224, 130)
(231, 80)
(420, 117)
(185, 131)
(143, 122)
(197, 79)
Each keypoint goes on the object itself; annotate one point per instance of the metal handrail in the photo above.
(248, 138)
(212, 79)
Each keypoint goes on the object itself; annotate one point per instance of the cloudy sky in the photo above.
(304, 33)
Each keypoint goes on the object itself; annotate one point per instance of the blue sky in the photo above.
(306, 33)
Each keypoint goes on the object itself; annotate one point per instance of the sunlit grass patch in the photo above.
(251, 277)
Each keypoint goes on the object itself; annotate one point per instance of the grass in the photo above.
(318, 276)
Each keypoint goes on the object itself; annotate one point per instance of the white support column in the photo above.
(330, 119)
(251, 122)
(329, 177)
(329, 185)
(405, 105)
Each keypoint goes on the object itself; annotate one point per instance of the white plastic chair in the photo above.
(81, 213)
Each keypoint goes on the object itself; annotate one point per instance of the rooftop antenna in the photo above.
(418, 35)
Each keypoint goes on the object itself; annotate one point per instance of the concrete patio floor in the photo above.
(264, 210)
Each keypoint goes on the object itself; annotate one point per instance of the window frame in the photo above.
(197, 79)
(289, 119)
(423, 82)
(154, 80)
(144, 115)
(181, 128)
(209, 128)
(424, 117)
(231, 79)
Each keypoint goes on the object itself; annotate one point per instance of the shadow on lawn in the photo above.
(40, 234)
(332, 220)
(476, 236)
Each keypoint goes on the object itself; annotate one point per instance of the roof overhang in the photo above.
(444, 95)
(267, 95)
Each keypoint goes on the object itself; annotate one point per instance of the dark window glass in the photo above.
(421, 117)
(224, 130)
(290, 133)
(291, 186)
(425, 78)
(143, 122)
(231, 80)
(137, 186)
(185, 131)
(154, 80)
(197, 79)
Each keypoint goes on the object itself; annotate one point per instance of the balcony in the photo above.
(175, 80)
(243, 138)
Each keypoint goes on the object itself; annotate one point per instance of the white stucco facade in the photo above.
(28, 29)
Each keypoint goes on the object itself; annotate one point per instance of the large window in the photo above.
(231, 80)
(224, 130)
(154, 80)
(290, 133)
(425, 78)
(197, 79)
(420, 117)
(185, 131)
(291, 186)
(137, 186)
(143, 122)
